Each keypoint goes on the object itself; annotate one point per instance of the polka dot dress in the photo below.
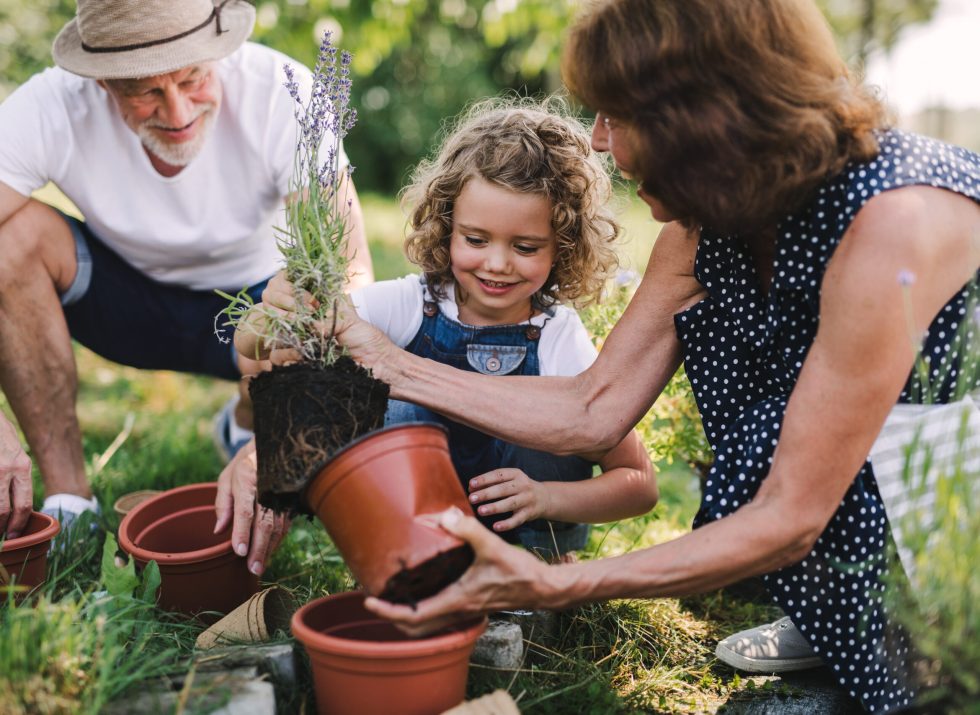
(743, 352)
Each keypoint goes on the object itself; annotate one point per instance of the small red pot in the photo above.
(198, 569)
(24, 560)
(379, 498)
(363, 665)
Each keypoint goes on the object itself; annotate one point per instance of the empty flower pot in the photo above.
(363, 665)
(24, 560)
(198, 569)
(379, 499)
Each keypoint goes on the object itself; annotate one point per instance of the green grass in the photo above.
(152, 430)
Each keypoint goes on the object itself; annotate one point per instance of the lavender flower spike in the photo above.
(313, 241)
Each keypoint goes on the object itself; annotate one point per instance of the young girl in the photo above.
(508, 222)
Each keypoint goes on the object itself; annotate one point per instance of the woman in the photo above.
(808, 250)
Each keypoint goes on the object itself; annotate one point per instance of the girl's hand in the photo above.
(501, 577)
(509, 490)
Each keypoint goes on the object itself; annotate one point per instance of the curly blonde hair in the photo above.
(533, 147)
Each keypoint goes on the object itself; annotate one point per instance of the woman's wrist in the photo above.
(562, 586)
(386, 363)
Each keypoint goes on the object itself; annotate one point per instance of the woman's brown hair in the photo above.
(526, 146)
(737, 109)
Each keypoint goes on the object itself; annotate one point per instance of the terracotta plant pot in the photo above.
(24, 560)
(379, 499)
(363, 665)
(198, 569)
(304, 414)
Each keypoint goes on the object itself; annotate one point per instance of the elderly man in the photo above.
(175, 139)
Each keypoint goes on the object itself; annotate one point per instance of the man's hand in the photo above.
(16, 494)
(256, 531)
(511, 490)
(501, 577)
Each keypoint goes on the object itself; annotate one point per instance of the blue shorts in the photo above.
(127, 317)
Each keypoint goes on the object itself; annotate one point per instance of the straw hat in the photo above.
(125, 39)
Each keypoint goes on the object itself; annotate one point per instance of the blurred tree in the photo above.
(862, 26)
(27, 29)
(418, 62)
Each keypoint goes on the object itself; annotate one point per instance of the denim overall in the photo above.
(494, 350)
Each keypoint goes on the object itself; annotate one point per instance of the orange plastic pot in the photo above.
(24, 560)
(198, 569)
(363, 665)
(379, 499)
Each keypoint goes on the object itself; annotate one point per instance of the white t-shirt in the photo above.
(395, 308)
(211, 225)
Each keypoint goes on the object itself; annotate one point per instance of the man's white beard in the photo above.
(178, 154)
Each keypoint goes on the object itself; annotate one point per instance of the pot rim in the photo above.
(46, 533)
(466, 633)
(364, 438)
(162, 557)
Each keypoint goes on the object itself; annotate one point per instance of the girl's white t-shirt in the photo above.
(395, 308)
(211, 225)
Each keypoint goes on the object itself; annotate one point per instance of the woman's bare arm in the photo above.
(853, 374)
(587, 414)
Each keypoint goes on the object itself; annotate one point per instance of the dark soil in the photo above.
(304, 414)
(428, 578)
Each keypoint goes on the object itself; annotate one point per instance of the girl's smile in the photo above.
(502, 250)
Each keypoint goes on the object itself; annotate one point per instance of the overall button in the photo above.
(495, 359)
(533, 332)
(430, 308)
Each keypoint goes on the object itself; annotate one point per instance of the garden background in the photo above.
(416, 63)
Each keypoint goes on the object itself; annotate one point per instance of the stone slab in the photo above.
(500, 646)
(240, 691)
(807, 692)
(538, 626)
(277, 660)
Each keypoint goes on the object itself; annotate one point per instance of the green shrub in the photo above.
(939, 604)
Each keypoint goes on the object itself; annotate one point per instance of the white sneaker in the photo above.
(66, 508)
(773, 648)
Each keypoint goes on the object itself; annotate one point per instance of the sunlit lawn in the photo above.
(642, 656)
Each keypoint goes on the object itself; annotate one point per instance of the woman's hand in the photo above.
(16, 494)
(256, 531)
(510, 490)
(502, 576)
(366, 344)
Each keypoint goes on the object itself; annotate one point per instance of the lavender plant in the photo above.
(314, 241)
